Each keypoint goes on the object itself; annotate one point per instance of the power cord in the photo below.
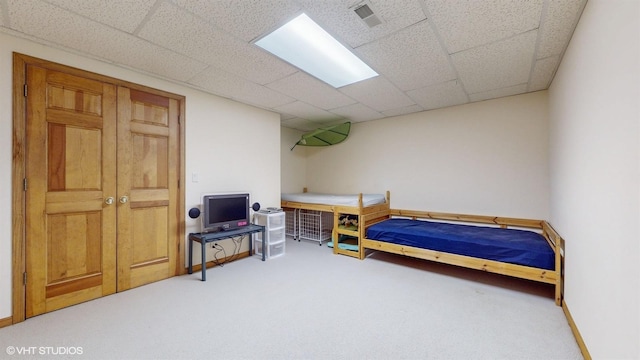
(237, 245)
(220, 248)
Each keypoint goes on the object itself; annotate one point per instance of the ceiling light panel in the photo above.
(304, 44)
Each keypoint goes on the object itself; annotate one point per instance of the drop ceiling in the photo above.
(429, 53)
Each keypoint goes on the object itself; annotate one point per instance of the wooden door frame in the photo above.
(18, 230)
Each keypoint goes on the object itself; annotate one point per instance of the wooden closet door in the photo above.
(70, 175)
(148, 153)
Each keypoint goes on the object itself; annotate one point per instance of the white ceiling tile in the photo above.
(339, 19)
(492, 94)
(410, 58)
(299, 124)
(497, 65)
(232, 86)
(306, 111)
(285, 116)
(146, 57)
(557, 27)
(439, 95)
(249, 61)
(63, 28)
(543, 72)
(403, 111)
(311, 90)
(125, 15)
(4, 16)
(26, 15)
(175, 28)
(243, 19)
(493, 48)
(377, 93)
(329, 122)
(465, 24)
(357, 113)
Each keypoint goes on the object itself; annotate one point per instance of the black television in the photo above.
(222, 212)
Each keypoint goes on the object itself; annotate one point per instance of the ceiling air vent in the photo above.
(366, 14)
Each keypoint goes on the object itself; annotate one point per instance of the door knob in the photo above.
(123, 199)
(109, 200)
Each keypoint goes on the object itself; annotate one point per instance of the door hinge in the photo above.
(25, 90)
(24, 184)
(24, 278)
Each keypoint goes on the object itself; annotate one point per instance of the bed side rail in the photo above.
(482, 219)
(555, 240)
(306, 206)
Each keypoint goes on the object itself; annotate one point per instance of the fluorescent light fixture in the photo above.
(304, 44)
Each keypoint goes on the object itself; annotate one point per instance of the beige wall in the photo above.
(294, 168)
(595, 176)
(487, 158)
(231, 146)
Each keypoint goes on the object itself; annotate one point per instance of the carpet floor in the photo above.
(309, 304)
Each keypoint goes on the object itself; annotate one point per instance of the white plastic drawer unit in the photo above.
(275, 233)
(273, 250)
(276, 250)
(272, 236)
(274, 220)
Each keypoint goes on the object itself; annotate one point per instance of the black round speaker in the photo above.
(194, 213)
(255, 206)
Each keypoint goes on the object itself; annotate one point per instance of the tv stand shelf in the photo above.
(204, 238)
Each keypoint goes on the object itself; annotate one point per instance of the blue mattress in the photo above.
(513, 246)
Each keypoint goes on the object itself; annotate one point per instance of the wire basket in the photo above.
(315, 225)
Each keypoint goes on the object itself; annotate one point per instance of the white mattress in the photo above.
(332, 199)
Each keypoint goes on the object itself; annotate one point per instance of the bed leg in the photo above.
(558, 294)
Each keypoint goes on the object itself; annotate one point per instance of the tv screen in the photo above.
(225, 212)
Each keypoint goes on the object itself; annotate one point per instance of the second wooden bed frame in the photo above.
(371, 212)
(553, 277)
(369, 215)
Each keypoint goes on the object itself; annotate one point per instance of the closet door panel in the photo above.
(147, 187)
(70, 172)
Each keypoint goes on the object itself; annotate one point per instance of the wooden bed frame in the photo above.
(371, 212)
(553, 277)
(369, 215)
